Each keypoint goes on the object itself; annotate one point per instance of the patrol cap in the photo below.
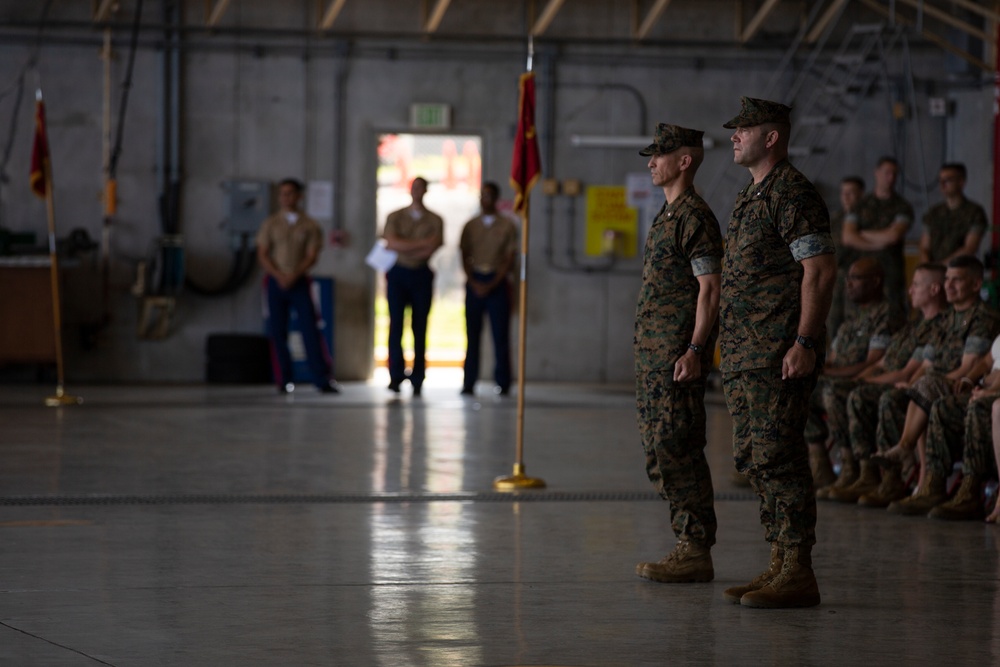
(756, 112)
(671, 137)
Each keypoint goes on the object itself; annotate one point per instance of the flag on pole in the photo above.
(526, 165)
(40, 154)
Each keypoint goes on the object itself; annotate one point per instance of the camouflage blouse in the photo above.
(970, 331)
(775, 224)
(869, 328)
(908, 343)
(683, 243)
(948, 228)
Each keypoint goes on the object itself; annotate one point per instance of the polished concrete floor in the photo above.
(211, 525)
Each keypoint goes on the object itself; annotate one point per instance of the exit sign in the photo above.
(430, 116)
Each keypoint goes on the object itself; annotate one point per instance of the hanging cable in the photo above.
(126, 87)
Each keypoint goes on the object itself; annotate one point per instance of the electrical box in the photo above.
(248, 203)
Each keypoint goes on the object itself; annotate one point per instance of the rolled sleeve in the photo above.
(703, 266)
(812, 245)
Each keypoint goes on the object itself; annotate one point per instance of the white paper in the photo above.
(319, 200)
(381, 258)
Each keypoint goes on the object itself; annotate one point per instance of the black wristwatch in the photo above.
(695, 348)
(806, 341)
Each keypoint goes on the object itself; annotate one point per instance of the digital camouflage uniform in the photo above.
(876, 214)
(959, 429)
(948, 228)
(683, 243)
(863, 402)
(866, 330)
(775, 224)
(970, 331)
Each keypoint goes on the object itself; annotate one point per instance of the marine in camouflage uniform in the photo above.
(966, 333)
(876, 214)
(959, 429)
(772, 343)
(676, 323)
(867, 331)
(851, 190)
(864, 401)
(948, 228)
(956, 225)
(968, 329)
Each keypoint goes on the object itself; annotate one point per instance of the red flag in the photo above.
(40, 154)
(526, 165)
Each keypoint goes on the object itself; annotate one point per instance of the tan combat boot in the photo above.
(966, 505)
(819, 464)
(795, 585)
(865, 482)
(929, 495)
(736, 593)
(687, 563)
(892, 488)
(848, 475)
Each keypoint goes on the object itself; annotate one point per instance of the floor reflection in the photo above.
(433, 623)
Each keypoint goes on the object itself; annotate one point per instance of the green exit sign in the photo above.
(430, 116)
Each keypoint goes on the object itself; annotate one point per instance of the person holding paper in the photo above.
(414, 233)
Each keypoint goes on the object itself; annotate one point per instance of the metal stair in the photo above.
(827, 84)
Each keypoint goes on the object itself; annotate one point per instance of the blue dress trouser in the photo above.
(280, 302)
(496, 305)
(413, 288)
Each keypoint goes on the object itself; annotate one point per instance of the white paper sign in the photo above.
(319, 200)
(381, 258)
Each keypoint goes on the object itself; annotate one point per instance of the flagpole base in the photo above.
(62, 398)
(518, 481)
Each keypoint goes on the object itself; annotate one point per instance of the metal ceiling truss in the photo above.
(931, 19)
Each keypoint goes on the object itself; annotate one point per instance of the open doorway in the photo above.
(452, 166)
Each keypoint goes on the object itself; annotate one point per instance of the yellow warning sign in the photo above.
(612, 227)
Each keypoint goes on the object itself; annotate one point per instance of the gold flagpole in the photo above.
(519, 480)
(61, 397)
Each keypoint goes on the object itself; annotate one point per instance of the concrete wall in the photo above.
(259, 109)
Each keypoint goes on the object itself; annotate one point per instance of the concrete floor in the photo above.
(212, 525)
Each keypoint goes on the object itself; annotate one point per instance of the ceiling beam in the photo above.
(651, 18)
(214, 11)
(831, 13)
(976, 8)
(330, 14)
(948, 19)
(434, 20)
(545, 18)
(758, 20)
(103, 9)
(931, 37)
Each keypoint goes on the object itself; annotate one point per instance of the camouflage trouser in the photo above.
(960, 429)
(891, 418)
(829, 399)
(769, 418)
(672, 425)
(835, 393)
(893, 405)
(928, 389)
(863, 409)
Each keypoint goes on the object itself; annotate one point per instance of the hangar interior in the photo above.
(203, 106)
(170, 521)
